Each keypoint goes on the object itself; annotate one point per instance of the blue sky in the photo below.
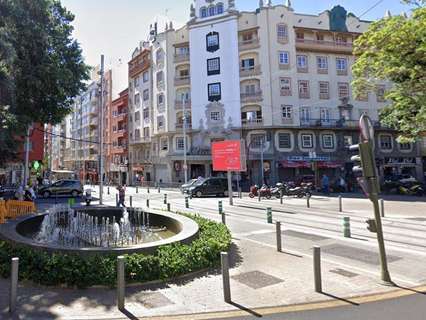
(114, 27)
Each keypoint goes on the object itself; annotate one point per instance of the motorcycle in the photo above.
(300, 192)
(278, 190)
(416, 190)
(265, 192)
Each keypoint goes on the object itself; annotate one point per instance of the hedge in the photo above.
(168, 262)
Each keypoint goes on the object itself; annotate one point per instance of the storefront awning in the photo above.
(295, 164)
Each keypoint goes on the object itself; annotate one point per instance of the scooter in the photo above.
(300, 192)
(265, 192)
(278, 190)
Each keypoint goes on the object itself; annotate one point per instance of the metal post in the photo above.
(347, 227)
(308, 202)
(27, 157)
(147, 203)
(186, 202)
(131, 202)
(279, 241)
(340, 204)
(269, 215)
(258, 194)
(225, 276)
(185, 164)
(137, 189)
(159, 190)
(14, 284)
(101, 135)
(230, 193)
(281, 197)
(317, 269)
(148, 190)
(220, 207)
(261, 161)
(223, 218)
(108, 190)
(382, 207)
(120, 283)
(168, 207)
(165, 198)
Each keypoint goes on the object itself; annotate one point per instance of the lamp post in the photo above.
(185, 165)
(101, 135)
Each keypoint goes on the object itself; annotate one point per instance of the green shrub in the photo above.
(84, 271)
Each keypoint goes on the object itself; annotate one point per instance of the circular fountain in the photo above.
(100, 230)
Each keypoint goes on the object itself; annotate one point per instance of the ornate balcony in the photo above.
(256, 96)
(182, 81)
(183, 57)
(179, 104)
(249, 123)
(324, 46)
(249, 44)
(251, 71)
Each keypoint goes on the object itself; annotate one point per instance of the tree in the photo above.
(417, 3)
(41, 65)
(393, 50)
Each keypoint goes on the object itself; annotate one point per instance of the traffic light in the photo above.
(366, 167)
(371, 225)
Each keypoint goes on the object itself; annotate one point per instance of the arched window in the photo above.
(219, 8)
(203, 12)
(212, 11)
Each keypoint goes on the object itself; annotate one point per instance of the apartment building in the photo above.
(278, 79)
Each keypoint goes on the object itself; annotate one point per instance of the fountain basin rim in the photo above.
(189, 231)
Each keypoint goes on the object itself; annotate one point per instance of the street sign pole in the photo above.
(231, 198)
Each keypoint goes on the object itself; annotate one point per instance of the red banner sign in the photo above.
(228, 156)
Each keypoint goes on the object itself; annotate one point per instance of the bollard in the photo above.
(382, 207)
(14, 284)
(116, 200)
(121, 285)
(279, 242)
(223, 218)
(269, 215)
(281, 197)
(137, 189)
(347, 227)
(148, 190)
(258, 199)
(131, 202)
(220, 205)
(159, 191)
(147, 203)
(108, 191)
(165, 198)
(225, 276)
(186, 202)
(317, 269)
(308, 202)
(168, 207)
(340, 204)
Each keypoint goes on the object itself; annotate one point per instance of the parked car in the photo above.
(7, 192)
(184, 188)
(62, 187)
(209, 187)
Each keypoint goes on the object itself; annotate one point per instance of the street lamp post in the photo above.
(262, 142)
(101, 135)
(185, 165)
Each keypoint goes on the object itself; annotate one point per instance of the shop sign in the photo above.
(400, 160)
(308, 158)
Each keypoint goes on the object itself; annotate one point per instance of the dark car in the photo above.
(62, 187)
(210, 187)
(185, 187)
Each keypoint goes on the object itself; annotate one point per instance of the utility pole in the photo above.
(185, 165)
(262, 142)
(27, 155)
(101, 134)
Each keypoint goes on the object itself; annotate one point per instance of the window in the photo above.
(322, 64)
(341, 66)
(386, 142)
(328, 141)
(160, 122)
(183, 96)
(146, 95)
(282, 32)
(182, 50)
(302, 62)
(285, 86)
(214, 92)
(164, 144)
(203, 12)
(219, 8)
(160, 77)
(287, 112)
(307, 141)
(380, 93)
(283, 58)
(284, 140)
(257, 141)
(160, 99)
(304, 89)
(137, 99)
(180, 144)
(213, 66)
(137, 116)
(324, 88)
(320, 37)
(215, 116)
(343, 88)
(347, 141)
(146, 114)
(305, 114)
(247, 64)
(212, 11)
(212, 40)
(136, 82)
(405, 146)
(250, 89)
(325, 115)
(159, 55)
(300, 35)
(145, 76)
(146, 132)
(340, 40)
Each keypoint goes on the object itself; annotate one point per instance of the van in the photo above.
(210, 187)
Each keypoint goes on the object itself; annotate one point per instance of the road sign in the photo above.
(229, 155)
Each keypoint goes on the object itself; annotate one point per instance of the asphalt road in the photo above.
(406, 308)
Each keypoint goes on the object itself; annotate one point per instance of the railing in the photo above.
(249, 44)
(329, 123)
(120, 115)
(182, 81)
(179, 104)
(252, 96)
(180, 125)
(324, 45)
(13, 209)
(251, 71)
(252, 122)
(181, 57)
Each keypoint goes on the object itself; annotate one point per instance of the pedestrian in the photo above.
(325, 182)
(342, 184)
(121, 195)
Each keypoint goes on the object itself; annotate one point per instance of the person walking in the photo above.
(325, 182)
(121, 195)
